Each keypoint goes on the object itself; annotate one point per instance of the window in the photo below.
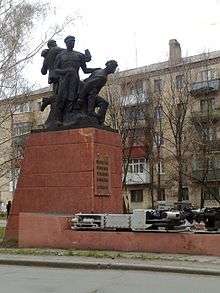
(21, 128)
(136, 195)
(137, 88)
(133, 92)
(179, 81)
(160, 167)
(209, 133)
(159, 139)
(211, 193)
(158, 85)
(208, 74)
(185, 193)
(207, 104)
(211, 165)
(22, 108)
(158, 112)
(162, 195)
(136, 166)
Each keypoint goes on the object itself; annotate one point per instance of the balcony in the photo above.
(211, 115)
(215, 145)
(135, 99)
(213, 175)
(205, 87)
(137, 178)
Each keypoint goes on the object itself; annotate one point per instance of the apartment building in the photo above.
(170, 113)
(18, 116)
(181, 98)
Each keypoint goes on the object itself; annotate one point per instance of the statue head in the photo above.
(70, 42)
(51, 44)
(44, 53)
(111, 66)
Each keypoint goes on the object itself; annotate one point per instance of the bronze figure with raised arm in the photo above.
(67, 65)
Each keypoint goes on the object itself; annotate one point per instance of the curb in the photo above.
(108, 266)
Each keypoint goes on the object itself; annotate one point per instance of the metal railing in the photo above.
(206, 86)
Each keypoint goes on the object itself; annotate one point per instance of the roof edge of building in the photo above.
(165, 64)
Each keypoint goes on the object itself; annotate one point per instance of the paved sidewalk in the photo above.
(203, 265)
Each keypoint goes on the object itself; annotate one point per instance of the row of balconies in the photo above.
(197, 88)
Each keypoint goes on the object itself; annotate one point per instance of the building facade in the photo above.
(175, 156)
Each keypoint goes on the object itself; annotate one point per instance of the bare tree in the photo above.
(204, 126)
(186, 142)
(170, 125)
(126, 99)
(18, 20)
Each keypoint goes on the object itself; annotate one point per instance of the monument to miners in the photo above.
(74, 163)
(73, 102)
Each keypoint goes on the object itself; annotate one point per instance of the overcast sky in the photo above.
(136, 32)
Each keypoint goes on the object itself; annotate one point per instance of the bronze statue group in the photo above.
(73, 100)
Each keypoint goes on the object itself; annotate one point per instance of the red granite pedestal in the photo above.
(67, 172)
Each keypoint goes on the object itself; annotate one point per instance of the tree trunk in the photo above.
(152, 183)
(180, 186)
(158, 183)
(202, 202)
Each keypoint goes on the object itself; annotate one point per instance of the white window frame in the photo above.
(137, 166)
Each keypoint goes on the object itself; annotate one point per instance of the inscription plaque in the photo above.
(102, 174)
